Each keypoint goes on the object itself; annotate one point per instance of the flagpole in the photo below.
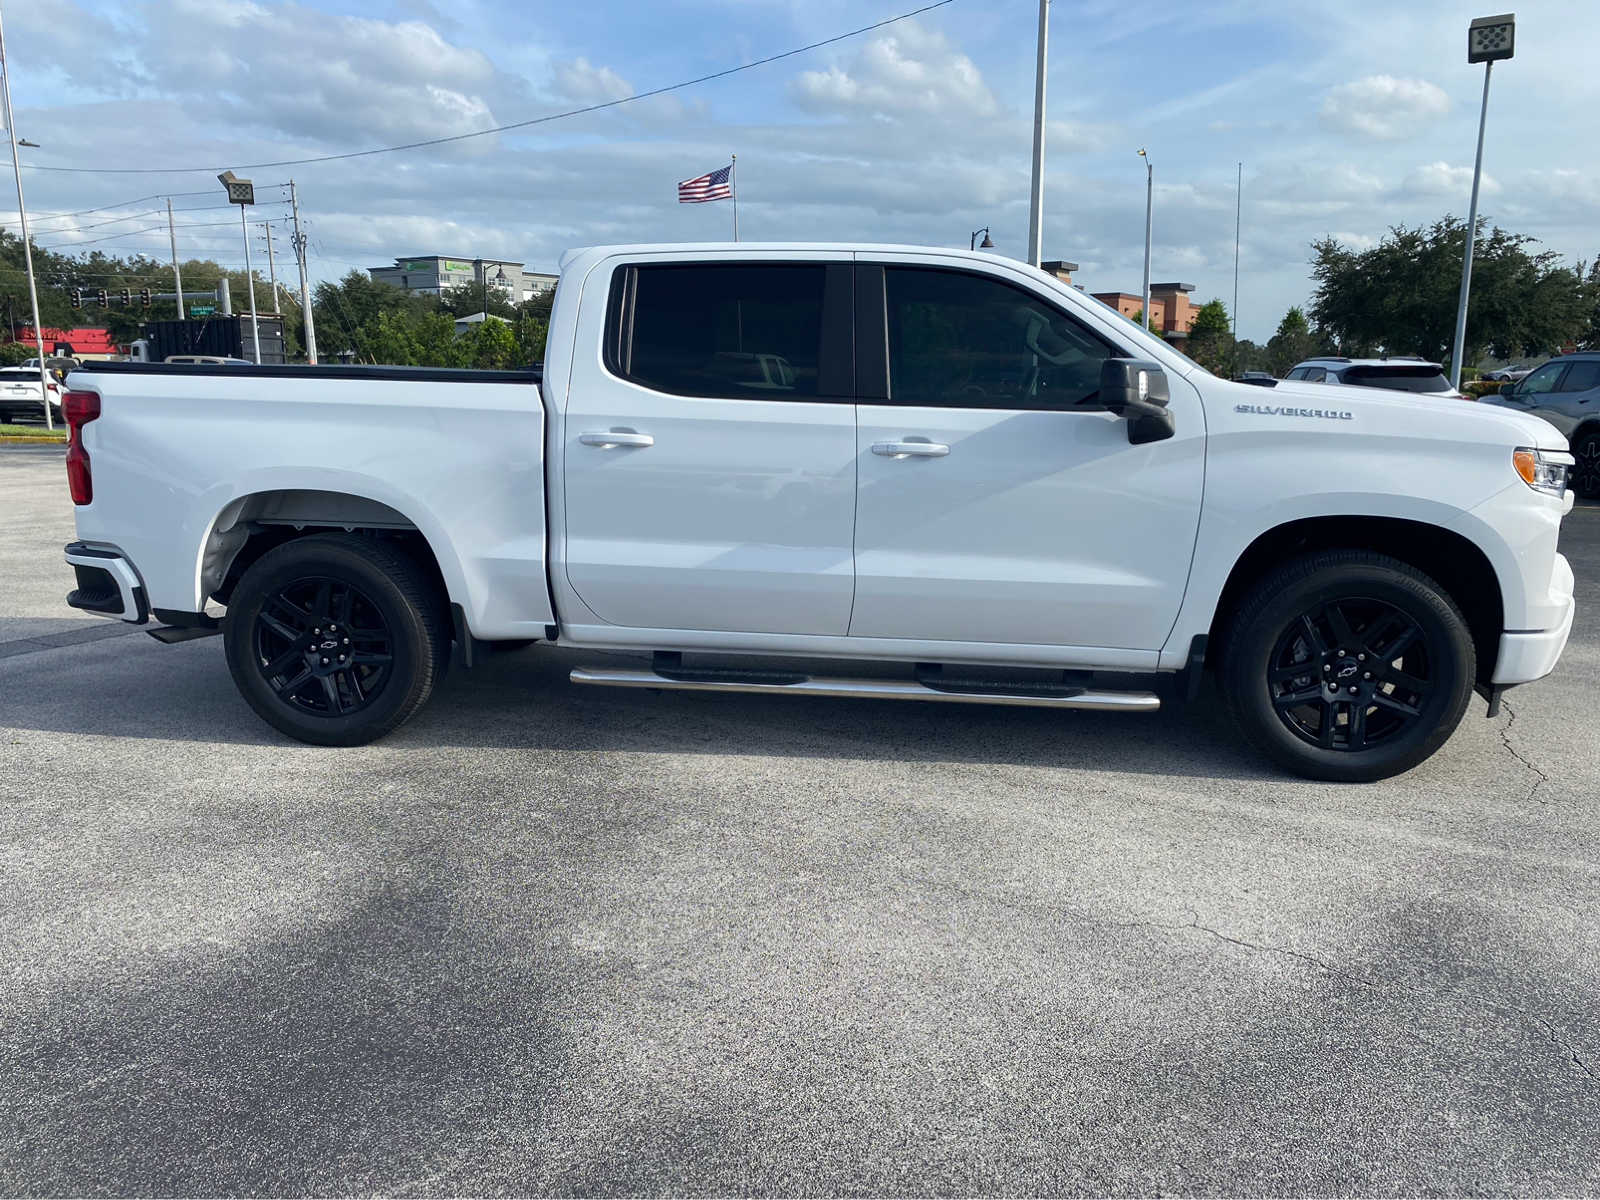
(733, 191)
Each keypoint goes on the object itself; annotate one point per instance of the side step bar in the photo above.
(871, 689)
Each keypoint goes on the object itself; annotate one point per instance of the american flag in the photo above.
(713, 186)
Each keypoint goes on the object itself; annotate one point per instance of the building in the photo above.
(1171, 310)
(1060, 268)
(436, 275)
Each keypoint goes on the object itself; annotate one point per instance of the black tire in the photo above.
(1406, 651)
(1586, 472)
(306, 602)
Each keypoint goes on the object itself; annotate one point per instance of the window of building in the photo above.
(963, 340)
(720, 329)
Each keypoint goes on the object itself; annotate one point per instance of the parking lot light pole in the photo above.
(27, 245)
(1036, 190)
(1149, 199)
(972, 243)
(1489, 39)
(243, 193)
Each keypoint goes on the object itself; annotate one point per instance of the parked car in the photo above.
(1505, 374)
(22, 396)
(213, 359)
(966, 469)
(1396, 374)
(1259, 378)
(1566, 392)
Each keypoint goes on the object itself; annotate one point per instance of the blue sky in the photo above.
(1348, 117)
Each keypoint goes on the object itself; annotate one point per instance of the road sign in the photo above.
(202, 310)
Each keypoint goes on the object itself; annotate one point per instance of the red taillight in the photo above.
(79, 408)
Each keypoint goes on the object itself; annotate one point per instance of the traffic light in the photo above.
(127, 298)
(101, 297)
(144, 297)
(77, 297)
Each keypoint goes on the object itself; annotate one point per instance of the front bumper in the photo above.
(108, 584)
(1528, 655)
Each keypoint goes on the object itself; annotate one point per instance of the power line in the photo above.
(127, 203)
(162, 228)
(149, 212)
(461, 137)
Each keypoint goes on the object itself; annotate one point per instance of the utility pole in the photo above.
(250, 278)
(272, 267)
(1036, 196)
(305, 288)
(27, 246)
(177, 275)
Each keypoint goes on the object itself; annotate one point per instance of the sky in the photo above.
(1349, 116)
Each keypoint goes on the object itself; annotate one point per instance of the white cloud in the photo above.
(585, 84)
(1441, 179)
(1383, 106)
(909, 69)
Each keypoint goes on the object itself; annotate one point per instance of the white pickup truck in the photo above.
(738, 457)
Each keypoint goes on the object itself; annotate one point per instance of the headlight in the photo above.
(1540, 471)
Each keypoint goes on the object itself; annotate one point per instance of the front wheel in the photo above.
(1348, 666)
(334, 639)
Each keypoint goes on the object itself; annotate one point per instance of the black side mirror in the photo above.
(1136, 390)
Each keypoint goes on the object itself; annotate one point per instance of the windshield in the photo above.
(1421, 378)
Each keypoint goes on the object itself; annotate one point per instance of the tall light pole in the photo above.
(1238, 217)
(1036, 196)
(1149, 199)
(243, 193)
(1489, 39)
(27, 246)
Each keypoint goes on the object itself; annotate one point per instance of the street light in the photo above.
(243, 193)
(973, 243)
(27, 245)
(1489, 39)
(1149, 197)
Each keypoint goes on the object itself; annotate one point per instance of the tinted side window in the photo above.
(1297, 373)
(1582, 375)
(962, 340)
(1542, 380)
(751, 330)
(1317, 374)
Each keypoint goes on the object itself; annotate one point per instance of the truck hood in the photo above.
(1463, 420)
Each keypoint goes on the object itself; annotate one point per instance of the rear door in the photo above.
(999, 501)
(709, 453)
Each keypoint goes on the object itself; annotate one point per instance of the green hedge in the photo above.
(1481, 387)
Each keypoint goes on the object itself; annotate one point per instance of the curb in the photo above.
(11, 440)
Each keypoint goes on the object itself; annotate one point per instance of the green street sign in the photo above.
(202, 310)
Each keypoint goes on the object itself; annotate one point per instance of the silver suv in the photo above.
(1396, 374)
(1565, 392)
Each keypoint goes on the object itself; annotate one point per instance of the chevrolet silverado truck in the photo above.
(943, 476)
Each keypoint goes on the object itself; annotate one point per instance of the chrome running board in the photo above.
(875, 689)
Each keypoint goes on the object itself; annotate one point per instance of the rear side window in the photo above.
(1399, 379)
(1582, 375)
(750, 330)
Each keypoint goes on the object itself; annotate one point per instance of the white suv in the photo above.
(1396, 374)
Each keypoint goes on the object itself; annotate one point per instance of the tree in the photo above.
(1210, 343)
(1400, 295)
(1589, 301)
(1292, 343)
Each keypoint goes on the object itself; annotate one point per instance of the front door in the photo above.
(998, 502)
(710, 456)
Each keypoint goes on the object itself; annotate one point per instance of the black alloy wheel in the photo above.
(336, 639)
(1347, 665)
(323, 646)
(1350, 674)
(1585, 476)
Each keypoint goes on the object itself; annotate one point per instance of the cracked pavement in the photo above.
(557, 940)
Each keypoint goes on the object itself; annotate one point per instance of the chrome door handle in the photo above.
(910, 449)
(610, 439)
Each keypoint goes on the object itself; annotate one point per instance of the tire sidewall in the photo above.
(1451, 657)
(410, 674)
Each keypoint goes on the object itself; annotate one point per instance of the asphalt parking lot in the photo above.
(552, 939)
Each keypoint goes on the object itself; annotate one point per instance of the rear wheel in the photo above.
(335, 639)
(1348, 666)
(1586, 471)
